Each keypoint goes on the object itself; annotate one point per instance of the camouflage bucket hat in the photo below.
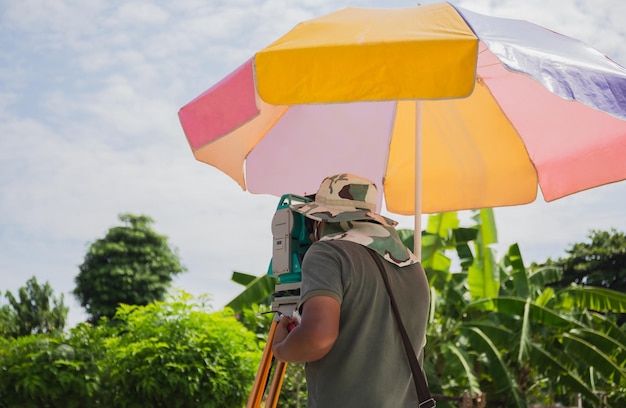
(344, 197)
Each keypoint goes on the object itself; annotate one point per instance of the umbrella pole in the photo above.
(417, 237)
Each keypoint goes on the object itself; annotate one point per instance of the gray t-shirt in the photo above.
(367, 366)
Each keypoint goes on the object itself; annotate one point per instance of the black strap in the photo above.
(423, 394)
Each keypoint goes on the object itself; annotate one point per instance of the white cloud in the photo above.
(41, 17)
(141, 12)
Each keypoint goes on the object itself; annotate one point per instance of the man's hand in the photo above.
(285, 325)
(313, 338)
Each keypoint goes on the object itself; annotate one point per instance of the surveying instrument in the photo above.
(290, 231)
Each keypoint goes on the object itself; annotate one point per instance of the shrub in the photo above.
(165, 354)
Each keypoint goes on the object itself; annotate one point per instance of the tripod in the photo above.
(286, 300)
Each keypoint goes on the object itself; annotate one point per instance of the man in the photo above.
(348, 335)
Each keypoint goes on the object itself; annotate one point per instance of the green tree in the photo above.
(600, 262)
(132, 265)
(35, 310)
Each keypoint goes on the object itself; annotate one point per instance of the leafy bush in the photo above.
(45, 371)
(165, 354)
(177, 355)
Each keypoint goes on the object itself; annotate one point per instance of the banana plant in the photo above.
(500, 328)
(461, 356)
(552, 335)
(258, 291)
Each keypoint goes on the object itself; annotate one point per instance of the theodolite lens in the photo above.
(308, 225)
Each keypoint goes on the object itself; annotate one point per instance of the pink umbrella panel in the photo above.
(546, 110)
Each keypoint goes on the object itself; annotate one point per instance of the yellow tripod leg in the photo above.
(277, 383)
(258, 389)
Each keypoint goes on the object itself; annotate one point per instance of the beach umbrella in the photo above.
(444, 108)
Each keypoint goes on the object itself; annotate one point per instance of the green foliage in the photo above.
(258, 290)
(35, 311)
(257, 319)
(166, 354)
(293, 392)
(600, 262)
(483, 277)
(177, 355)
(46, 370)
(512, 343)
(132, 264)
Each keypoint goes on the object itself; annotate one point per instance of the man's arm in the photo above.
(313, 338)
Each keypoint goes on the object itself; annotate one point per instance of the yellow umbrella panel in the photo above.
(425, 52)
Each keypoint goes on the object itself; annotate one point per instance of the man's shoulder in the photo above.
(338, 245)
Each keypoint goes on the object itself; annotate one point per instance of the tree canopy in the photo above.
(35, 310)
(600, 262)
(132, 265)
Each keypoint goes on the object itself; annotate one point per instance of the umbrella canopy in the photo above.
(458, 109)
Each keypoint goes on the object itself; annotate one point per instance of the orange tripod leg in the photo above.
(277, 383)
(258, 389)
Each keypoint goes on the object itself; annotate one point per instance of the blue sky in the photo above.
(89, 95)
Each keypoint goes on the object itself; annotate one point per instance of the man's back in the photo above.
(367, 366)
